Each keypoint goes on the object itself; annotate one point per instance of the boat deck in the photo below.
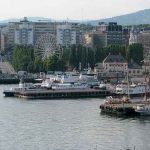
(121, 108)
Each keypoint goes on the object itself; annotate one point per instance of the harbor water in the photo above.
(74, 124)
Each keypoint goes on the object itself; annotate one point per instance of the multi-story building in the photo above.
(44, 27)
(108, 34)
(133, 35)
(95, 38)
(4, 38)
(66, 35)
(27, 32)
(144, 38)
(24, 33)
(117, 66)
(116, 34)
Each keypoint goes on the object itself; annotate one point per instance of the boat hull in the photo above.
(9, 93)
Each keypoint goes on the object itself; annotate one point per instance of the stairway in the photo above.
(7, 68)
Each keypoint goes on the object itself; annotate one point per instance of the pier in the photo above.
(58, 94)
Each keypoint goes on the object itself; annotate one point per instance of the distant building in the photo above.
(107, 34)
(112, 66)
(135, 70)
(65, 35)
(133, 36)
(4, 38)
(95, 38)
(24, 33)
(44, 27)
(29, 33)
(144, 39)
(117, 66)
(116, 34)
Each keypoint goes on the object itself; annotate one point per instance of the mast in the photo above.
(127, 71)
(145, 81)
(128, 81)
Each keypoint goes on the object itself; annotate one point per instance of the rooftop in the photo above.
(114, 58)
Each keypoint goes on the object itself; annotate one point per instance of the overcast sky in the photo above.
(71, 9)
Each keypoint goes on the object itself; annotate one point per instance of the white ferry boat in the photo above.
(69, 86)
(133, 89)
(23, 86)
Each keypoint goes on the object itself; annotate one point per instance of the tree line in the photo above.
(76, 57)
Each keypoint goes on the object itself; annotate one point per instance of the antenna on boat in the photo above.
(128, 81)
(127, 72)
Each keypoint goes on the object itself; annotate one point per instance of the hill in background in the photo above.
(140, 17)
(137, 18)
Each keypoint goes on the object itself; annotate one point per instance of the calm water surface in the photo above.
(67, 125)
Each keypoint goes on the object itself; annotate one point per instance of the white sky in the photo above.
(71, 9)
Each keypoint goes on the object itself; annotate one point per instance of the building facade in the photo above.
(95, 38)
(133, 36)
(107, 34)
(117, 66)
(4, 38)
(65, 35)
(144, 39)
(24, 33)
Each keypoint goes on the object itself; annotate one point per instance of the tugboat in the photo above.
(144, 107)
(119, 106)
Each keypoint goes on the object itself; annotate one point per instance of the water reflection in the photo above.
(140, 119)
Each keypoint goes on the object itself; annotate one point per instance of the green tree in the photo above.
(136, 53)
(23, 58)
(38, 64)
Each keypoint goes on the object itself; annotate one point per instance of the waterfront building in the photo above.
(135, 70)
(99, 70)
(117, 66)
(112, 66)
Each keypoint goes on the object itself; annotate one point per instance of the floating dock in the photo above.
(58, 94)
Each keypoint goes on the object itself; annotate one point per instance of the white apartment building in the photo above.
(133, 36)
(4, 38)
(65, 35)
(24, 33)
